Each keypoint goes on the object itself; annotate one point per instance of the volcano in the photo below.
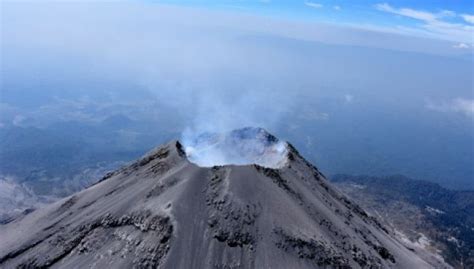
(243, 199)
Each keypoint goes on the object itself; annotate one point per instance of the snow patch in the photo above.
(434, 210)
(422, 241)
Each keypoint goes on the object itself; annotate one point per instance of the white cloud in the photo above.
(348, 98)
(459, 105)
(336, 7)
(407, 12)
(468, 18)
(465, 106)
(433, 24)
(18, 120)
(461, 46)
(313, 4)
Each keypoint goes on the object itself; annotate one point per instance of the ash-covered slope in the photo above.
(165, 211)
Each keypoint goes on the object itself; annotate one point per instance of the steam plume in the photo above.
(238, 147)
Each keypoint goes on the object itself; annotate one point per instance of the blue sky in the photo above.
(445, 20)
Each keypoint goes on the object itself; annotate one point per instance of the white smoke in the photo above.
(238, 147)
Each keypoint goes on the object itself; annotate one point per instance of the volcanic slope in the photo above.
(165, 211)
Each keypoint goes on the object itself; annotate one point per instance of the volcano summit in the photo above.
(258, 205)
(240, 147)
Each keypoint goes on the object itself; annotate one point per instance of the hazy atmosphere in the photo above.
(137, 74)
(236, 134)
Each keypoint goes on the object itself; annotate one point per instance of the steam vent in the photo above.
(242, 199)
(240, 147)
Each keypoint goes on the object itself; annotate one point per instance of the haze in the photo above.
(99, 84)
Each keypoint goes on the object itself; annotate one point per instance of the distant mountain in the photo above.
(165, 211)
(420, 210)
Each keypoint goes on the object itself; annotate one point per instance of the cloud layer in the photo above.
(313, 4)
(458, 105)
(435, 24)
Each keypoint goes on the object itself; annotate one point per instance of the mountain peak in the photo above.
(164, 211)
(244, 146)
